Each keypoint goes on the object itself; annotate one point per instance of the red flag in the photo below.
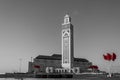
(94, 67)
(113, 57)
(105, 57)
(36, 66)
(109, 56)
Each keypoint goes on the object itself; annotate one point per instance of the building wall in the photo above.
(83, 65)
(43, 63)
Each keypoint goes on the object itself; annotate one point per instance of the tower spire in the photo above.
(67, 19)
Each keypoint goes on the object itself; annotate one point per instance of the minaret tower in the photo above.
(67, 43)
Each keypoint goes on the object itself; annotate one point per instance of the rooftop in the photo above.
(58, 57)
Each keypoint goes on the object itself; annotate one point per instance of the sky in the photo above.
(29, 28)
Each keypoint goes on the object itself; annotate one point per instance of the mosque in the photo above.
(64, 62)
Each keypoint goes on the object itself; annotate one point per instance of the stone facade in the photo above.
(41, 62)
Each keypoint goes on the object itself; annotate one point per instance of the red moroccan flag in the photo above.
(94, 67)
(36, 66)
(109, 56)
(105, 57)
(113, 57)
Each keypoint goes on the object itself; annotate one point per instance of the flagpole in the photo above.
(109, 68)
(20, 65)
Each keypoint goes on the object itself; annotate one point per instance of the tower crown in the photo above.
(67, 16)
(67, 19)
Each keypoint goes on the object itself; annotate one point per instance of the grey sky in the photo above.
(32, 27)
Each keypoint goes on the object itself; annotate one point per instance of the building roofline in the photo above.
(58, 57)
